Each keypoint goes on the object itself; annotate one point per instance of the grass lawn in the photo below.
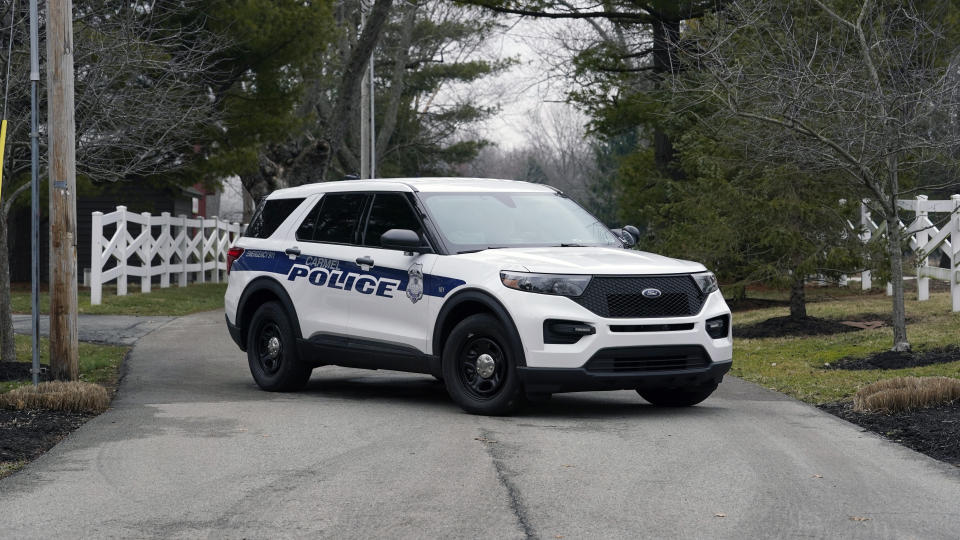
(795, 365)
(174, 300)
(98, 363)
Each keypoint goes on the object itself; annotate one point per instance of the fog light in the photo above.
(565, 332)
(718, 327)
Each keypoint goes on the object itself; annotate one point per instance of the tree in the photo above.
(866, 90)
(620, 66)
(748, 219)
(422, 50)
(141, 102)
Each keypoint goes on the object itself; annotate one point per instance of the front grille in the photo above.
(621, 297)
(627, 359)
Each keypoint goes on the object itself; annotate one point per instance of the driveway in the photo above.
(191, 448)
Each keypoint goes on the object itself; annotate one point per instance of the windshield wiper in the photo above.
(573, 245)
(479, 250)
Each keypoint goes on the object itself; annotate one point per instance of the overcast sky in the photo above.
(526, 88)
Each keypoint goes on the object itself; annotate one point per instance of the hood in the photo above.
(585, 260)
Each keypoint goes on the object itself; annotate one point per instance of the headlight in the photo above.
(707, 282)
(558, 284)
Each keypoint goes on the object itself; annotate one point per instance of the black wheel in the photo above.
(677, 397)
(272, 352)
(479, 367)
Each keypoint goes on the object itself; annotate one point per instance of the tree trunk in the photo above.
(798, 299)
(8, 352)
(894, 236)
(665, 35)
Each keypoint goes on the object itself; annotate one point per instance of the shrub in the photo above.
(57, 395)
(905, 393)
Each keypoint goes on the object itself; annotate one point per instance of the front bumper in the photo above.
(529, 311)
(554, 380)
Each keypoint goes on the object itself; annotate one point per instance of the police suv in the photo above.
(500, 289)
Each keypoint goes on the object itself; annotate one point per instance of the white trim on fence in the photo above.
(925, 239)
(183, 246)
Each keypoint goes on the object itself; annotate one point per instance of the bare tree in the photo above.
(868, 91)
(142, 100)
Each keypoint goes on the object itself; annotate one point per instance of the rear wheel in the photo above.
(677, 397)
(479, 367)
(272, 351)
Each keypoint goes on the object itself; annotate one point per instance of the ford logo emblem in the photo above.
(651, 293)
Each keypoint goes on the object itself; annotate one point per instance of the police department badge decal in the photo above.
(415, 284)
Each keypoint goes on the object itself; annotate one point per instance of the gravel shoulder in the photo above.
(191, 448)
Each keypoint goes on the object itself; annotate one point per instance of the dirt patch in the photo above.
(934, 431)
(785, 326)
(20, 371)
(26, 434)
(900, 360)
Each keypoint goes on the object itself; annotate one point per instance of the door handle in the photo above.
(292, 251)
(366, 260)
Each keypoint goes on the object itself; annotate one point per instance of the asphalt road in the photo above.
(116, 329)
(192, 449)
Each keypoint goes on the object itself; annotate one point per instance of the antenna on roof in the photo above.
(351, 177)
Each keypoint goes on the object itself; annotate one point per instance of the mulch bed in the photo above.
(24, 435)
(934, 431)
(812, 326)
(900, 360)
(20, 371)
(786, 326)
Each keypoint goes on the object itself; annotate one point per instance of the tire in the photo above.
(498, 393)
(275, 365)
(677, 397)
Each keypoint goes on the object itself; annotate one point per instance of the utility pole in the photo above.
(34, 194)
(64, 356)
(368, 133)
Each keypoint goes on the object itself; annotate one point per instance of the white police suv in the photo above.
(501, 289)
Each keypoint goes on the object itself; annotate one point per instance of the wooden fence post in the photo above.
(955, 256)
(122, 250)
(182, 250)
(865, 281)
(164, 250)
(216, 249)
(96, 260)
(923, 236)
(146, 246)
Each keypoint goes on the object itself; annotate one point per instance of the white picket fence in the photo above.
(182, 247)
(925, 240)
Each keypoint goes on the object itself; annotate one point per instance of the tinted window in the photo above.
(270, 215)
(308, 228)
(389, 211)
(338, 218)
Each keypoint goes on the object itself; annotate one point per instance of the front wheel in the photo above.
(479, 367)
(272, 351)
(677, 397)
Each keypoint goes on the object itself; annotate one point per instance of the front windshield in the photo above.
(476, 221)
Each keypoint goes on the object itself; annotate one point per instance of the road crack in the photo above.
(505, 478)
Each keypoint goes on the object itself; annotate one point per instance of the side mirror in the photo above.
(403, 240)
(628, 239)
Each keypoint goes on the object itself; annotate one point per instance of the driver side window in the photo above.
(389, 211)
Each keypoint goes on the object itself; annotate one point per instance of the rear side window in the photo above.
(334, 219)
(389, 211)
(270, 215)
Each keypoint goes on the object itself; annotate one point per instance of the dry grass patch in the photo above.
(72, 396)
(906, 393)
